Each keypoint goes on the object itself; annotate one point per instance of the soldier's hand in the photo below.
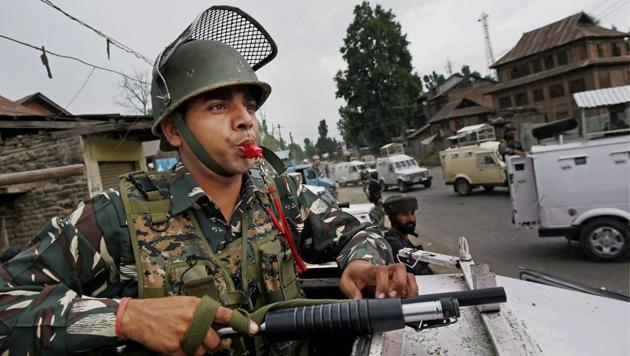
(386, 281)
(161, 323)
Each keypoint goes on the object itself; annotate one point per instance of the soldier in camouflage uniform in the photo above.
(124, 264)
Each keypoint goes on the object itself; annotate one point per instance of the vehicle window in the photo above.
(310, 174)
(353, 169)
(488, 160)
(413, 162)
(391, 167)
(398, 165)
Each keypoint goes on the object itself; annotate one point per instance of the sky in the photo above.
(309, 35)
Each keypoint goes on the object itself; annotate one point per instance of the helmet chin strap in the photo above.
(196, 147)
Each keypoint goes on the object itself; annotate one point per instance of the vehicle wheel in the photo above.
(402, 186)
(604, 239)
(383, 186)
(488, 188)
(342, 184)
(462, 187)
(427, 184)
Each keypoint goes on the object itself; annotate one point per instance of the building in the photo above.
(550, 63)
(460, 101)
(50, 160)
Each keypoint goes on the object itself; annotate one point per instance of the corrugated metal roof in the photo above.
(602, 97)
(561, 32)
(11, 108)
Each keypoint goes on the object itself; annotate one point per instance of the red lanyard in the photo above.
(281, 224)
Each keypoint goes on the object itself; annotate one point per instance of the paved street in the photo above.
(485, 219)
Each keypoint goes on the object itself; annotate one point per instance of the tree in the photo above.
(378, 85)
(297, 151)
(433, 80)
(324, 143)
(466, 71)
(309, 149)
(135, 94)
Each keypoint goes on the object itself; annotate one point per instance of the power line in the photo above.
(73, 58)
(108, 38)
(591, 11)
(81, 88)
(612, 11)
(612, 5)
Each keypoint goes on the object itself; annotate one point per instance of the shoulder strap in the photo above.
(273, 160)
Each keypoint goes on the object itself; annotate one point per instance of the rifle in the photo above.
(368, 316)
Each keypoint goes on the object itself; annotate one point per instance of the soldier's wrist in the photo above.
(119, 318)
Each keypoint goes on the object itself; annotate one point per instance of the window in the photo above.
(398, 165)
(548, 59)
(604, 79)
(577, 85)
(600, 50)
(536, 65)
(562, 58)
(617, 49)
(505, 102)
(538, 95)
(520, 99)
(556, 90)
(580, 53)
(561, 111)
(485, 160)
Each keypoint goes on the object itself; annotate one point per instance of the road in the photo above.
(485, 219)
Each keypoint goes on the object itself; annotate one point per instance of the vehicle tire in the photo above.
(427, 184)
(402, 186)
(604, 239)
(342, 184)
(488, 188)
(383, 186)
(462, 187)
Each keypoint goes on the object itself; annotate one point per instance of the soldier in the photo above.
(132, 263)
(316, 164)
(364, 175)
(509, 146)
(401, 211)
(376, 214)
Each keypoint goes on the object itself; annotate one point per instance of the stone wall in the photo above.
(26, 213)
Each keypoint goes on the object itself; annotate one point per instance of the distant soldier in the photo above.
(509, 146)
(364, 175)
(376, 214)
(401, 211)
(316, 164)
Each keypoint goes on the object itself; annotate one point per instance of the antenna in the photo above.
(449, 67)
(489, 54)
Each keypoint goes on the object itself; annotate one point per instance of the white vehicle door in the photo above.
(523, 192)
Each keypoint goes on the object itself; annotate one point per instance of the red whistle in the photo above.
(252, 151)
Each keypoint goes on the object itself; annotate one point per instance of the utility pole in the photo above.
(280, 136)
(291, 147)
(489, 54)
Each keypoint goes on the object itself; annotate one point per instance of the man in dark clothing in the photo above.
(509, 146)
(401, 211)
(377, 214)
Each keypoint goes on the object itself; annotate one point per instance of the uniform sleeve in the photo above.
(52, 293)
(325, 233)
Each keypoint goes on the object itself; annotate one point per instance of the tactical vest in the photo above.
(173, 256)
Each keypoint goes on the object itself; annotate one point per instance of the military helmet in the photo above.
(196, 67)
(400, 204)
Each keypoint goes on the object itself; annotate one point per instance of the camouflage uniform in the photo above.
(60, 295)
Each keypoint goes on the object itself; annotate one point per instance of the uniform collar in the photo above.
(186, 192)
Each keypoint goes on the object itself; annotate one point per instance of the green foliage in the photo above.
(379, 85)
(466, 71)
(271, 142)
(324, 143)
(298, 153)
(309, 149)
(433, 80)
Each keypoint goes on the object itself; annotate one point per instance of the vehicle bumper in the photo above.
(570, 231)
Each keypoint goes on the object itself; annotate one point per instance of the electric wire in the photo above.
(592, 10)
(73, 58)
(100, 33)
(612, 11)
(81, 88)
(612, 6)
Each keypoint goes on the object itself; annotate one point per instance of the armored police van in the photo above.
(580, 189)
(473, 161)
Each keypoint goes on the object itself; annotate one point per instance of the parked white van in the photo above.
(402, 171)
(347, 172)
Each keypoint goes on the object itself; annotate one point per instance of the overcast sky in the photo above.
(308, 34)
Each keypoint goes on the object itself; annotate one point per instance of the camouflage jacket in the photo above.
(60, 295)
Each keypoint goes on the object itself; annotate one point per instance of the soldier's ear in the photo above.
(170, 132)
